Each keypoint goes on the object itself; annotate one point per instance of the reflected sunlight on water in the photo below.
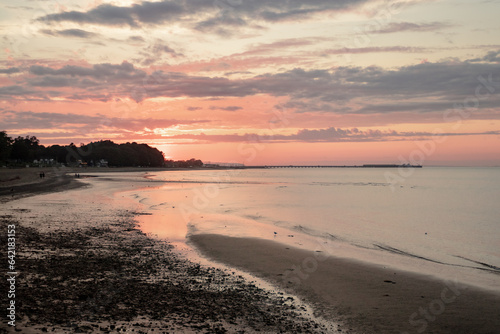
(446, 216)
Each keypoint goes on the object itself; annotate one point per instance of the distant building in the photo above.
(223, 164)
(102, 163)
(44, 162)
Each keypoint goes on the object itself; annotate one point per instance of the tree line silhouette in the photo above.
(28, 150)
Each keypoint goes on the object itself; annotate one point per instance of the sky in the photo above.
(258, 82)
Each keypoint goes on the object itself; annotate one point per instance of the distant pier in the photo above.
(343, 166)
(241, 166)
(315, 166)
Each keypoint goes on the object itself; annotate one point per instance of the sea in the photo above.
(437, 221)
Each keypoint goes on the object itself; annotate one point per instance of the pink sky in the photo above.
(259, 82)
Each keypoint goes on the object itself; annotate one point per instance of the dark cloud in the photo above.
(14, 90)
(76, 126)
(173, 84)
(332, 134)
(417, 88)
(205, 15)
(237, 73)
(377, 49)
(327, 135)
(10, 70)
(447, 82)
(122, 71)
(420, 107)
(394, 27)
(155, 52)
(491, 56)
(280, 45)
(214, 24)
(53, 81)
(106, 14)
(136, 39)
(29, 119)
(79, 33)
(75, 122)
(280, 10)
(229, 108)
(451, 79)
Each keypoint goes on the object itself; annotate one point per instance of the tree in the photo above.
(56, 152)
(25, 148)
(5, 146)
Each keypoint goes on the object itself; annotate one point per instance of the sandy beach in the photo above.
(83, 266)
(18, 183)
(368, 299)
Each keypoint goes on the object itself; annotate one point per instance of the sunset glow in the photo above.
(258, 81)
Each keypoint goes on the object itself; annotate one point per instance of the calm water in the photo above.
(442, 221)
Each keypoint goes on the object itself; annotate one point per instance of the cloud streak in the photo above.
(396, 27)
(490, 57)
(229, 108)
(10, 70)
(78, 33)
(72, 123)
(202, 15)
(418, 88)
(327, 135)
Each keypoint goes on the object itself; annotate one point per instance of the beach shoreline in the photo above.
(16, 183)
(19, 183)
(83, 265)
(368, 299)
(352, 296)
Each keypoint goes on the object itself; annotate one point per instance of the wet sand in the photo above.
(84, 267)
(366, 298)
(18, 183)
